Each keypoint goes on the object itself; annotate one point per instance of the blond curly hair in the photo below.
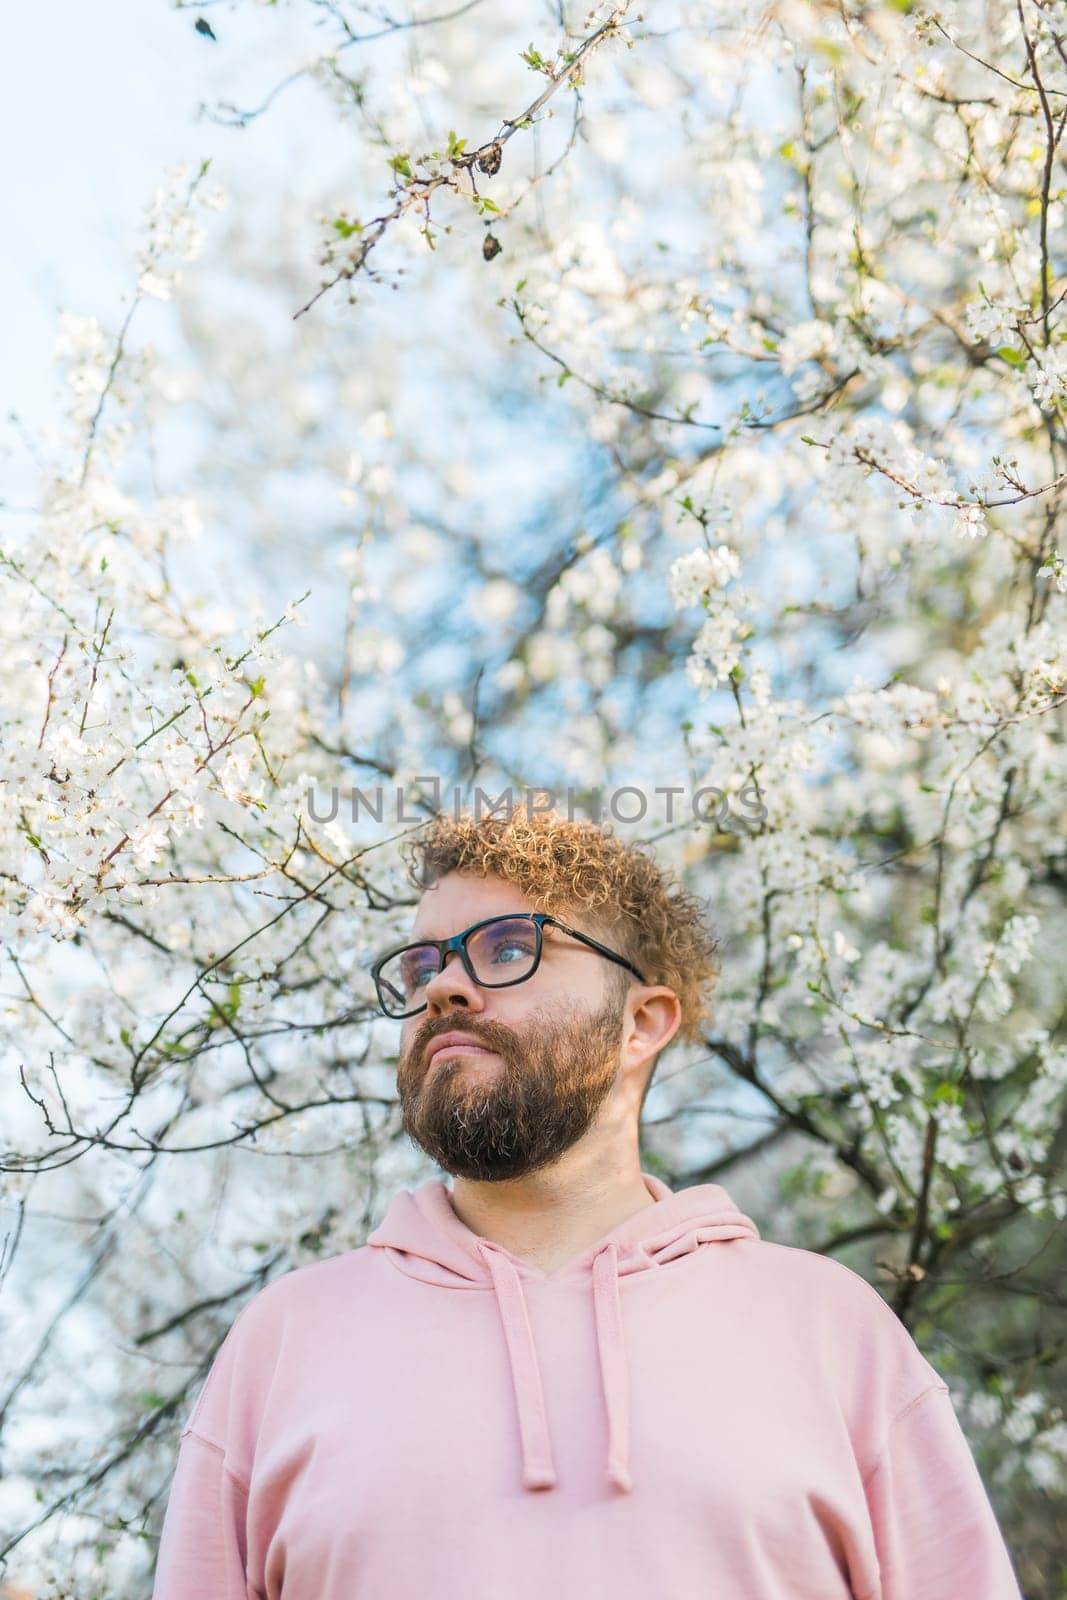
(568, 867)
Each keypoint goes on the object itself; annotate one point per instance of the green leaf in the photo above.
(401, 165)
(345, 228)
(829, 48)
(1014, 358)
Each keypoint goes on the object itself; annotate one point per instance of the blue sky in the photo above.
(95, 102)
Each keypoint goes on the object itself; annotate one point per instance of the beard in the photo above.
(554, 1075)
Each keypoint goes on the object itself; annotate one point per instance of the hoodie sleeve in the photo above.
(935, 1530)
(202, 1549)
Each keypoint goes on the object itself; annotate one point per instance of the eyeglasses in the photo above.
(507, 944)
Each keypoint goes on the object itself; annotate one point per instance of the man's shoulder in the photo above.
(276, 1329)
(843, 1315)
(292, 1304)
(312, 1288)
(794, 1273)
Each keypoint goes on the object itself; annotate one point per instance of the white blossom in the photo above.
(694, 576)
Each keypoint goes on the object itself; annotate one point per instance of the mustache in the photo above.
(493, 1035)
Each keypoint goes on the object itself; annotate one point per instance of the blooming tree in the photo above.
(680, 398)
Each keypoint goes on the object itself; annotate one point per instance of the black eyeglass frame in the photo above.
(459, 942)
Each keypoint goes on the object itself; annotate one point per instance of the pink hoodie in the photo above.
(682, 1410)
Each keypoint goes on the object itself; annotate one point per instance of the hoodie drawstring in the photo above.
(613, 1373)
(538, 1468)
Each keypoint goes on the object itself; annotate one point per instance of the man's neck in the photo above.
(551, 1217)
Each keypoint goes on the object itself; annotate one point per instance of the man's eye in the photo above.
(522, 953)
(417, 974)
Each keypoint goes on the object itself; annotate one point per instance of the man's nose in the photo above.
(452, 986)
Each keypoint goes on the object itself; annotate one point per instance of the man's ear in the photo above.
(653, 1017)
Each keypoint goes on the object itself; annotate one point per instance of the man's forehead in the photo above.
(459, 900)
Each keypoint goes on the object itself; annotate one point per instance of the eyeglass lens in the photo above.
(501, 952)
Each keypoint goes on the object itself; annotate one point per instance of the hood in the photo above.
(422, 1235)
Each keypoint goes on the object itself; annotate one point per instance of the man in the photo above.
(559, 1377)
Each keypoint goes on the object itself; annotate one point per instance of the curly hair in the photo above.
(565, 867)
